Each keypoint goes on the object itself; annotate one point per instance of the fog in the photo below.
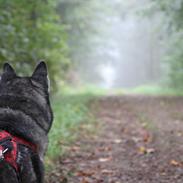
(127, 50)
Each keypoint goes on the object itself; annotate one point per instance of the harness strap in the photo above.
(9, 153)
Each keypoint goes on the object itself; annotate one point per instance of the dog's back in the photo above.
(25, 113)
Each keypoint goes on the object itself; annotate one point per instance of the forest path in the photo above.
(140, 140)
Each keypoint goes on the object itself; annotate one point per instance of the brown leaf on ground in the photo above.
(147, 137)
(84, 173)
(105, 159)
(175, 163)
(84, 180)
(117, 141)
(144, 150)
(106, 171)
(108, 148)
(75, 148)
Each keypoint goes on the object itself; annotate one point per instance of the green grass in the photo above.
(93, 91)
(69, 112)
(151, 89)
(154, 90)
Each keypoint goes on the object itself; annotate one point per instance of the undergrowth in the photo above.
(70, 111)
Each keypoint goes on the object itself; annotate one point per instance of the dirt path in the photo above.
(140, 141)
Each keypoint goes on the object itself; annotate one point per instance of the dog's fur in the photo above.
(25, 112)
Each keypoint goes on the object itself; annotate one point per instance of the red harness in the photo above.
(10, 155)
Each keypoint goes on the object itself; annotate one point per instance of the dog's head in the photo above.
(30, 91)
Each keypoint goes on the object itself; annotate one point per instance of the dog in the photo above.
(25, 120)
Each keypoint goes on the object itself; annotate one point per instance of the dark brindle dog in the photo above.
(25, 120)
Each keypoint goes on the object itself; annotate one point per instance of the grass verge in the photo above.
(69, 112)
(155, 90)
(151, 89)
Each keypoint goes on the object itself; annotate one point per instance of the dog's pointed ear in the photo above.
(40, 74)
(8, 72)
(7, 68)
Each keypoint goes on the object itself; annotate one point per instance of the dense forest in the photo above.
(173, 34)
(69, 35)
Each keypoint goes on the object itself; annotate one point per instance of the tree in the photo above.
(31, 31)
(173, 24)
(83, 20)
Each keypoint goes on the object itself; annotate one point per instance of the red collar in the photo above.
(10, 154)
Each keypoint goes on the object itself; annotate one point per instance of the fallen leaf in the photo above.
(84, 173)
(175, 163)
(136, 139)
(105, 148)
(144, 124)
(123, 130)
(179, 134)
(84, 181)
(150, 150)
(144, 150)
(67, 161)
(105, 159)
(117, 141)
(75, 148)
(146, 137)
(163, 173)
(105, 171)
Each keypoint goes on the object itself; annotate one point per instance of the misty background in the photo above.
(109, 44)
(122, 44)
(126, 50)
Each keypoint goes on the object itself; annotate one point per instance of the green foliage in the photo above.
(80, 17)
(173, 22)
(173, 11)
(30, 31)
(174, 58)
(85, 22)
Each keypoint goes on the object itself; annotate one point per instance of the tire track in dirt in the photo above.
(140, 140)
